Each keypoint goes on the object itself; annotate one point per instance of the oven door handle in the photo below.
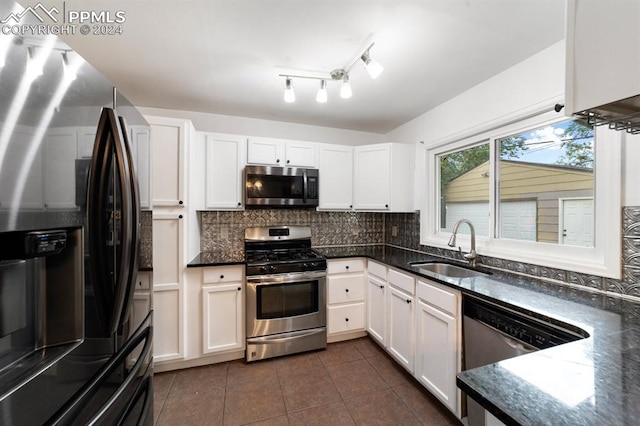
(286, 278)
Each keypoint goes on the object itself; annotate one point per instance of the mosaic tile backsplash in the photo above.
(224, 231)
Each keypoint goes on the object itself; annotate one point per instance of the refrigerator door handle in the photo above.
(97, 206)
(128, 283)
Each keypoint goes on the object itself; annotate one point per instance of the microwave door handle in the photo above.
(305, 187)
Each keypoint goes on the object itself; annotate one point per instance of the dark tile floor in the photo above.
(349, 383)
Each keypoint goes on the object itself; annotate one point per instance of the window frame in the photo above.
(603, 259)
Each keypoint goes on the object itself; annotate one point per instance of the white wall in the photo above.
(267, 128)
(534, 83)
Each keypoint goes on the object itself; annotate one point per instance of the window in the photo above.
(532, 192)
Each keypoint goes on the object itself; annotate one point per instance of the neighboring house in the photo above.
(538, 202)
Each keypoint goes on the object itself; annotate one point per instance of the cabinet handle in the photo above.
(222, 277)
(347, 290)
(346, 319)
(408, 300)
(239, 288)
(180, 217)
(181, 202)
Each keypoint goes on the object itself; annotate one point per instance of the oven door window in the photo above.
(272, 186)
(287, 300)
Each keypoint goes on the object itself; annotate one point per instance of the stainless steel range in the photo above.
(286, 292)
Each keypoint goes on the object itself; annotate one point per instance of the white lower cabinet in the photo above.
(222, 309)
(376, 305)
(437, 344)
(418, 323)
(167, 323)
(400, 317)
(345, 298)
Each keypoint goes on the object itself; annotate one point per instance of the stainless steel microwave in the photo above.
(268, 186)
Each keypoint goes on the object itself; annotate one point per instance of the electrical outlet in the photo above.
(394, 231)
(354, 230)
(224, 233)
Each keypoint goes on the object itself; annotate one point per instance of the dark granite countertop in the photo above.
(592, 381)
(216, 258)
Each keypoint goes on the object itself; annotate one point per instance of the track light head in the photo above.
(373, 68)
(289, 95)
(345, 87)
(321, 97)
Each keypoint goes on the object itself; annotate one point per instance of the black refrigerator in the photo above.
(70, 349)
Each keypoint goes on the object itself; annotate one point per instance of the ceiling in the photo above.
(225, 56)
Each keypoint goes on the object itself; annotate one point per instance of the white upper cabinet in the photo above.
(603, 53)
(336, 177)
(168, 149)
(60, 150)
(225, 156)
(383, 177)
(276, 152)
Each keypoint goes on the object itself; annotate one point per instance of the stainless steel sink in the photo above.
(447, 270)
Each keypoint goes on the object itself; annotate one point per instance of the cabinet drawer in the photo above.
(341, 266)
(143, 282)
(402, 281)
(377, 269)
(345, 318)
(222, 274)
(439, 297)
(345, 288)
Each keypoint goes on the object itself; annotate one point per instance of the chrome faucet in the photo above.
(472, 255)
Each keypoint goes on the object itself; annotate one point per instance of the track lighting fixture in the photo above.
(289, 95)
(69, 72)
(341, 74)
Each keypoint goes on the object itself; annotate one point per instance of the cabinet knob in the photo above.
(346, 267)
(386, 206)
(180, 217)
(346, 319)
(278, 160)
(181, 202)
(350, 206)
(381, 286)
(239, 288)
(239, 204)
(288, 161)
(222, 277)
(347, 290)
(408, 300)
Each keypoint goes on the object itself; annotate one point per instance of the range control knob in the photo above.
(263, 269)
(305, 266)
(314, 264)
(272, 268)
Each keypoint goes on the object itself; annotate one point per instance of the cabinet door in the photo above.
(224, 180)
(376, 309)
(265, 151)
(168, 231)
(401, 325)
(168, 141)
(300, 154)
(372, 177)
(436, 354)
(141, 147)
(60, 153)
(336, 177)
(222, 317)
(168, 340)
(86, 139)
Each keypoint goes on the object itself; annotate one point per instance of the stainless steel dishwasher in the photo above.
(494, 333)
